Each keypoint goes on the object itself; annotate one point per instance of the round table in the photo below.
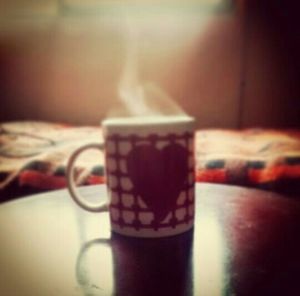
(245, 242)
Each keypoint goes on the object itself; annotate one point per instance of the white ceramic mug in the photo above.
(150, 169)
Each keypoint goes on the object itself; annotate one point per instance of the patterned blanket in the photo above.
(265, 159)
(33, 157)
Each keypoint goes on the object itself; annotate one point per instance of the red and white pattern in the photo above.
(131, 211)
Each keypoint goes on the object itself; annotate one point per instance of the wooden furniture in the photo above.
(245, 242)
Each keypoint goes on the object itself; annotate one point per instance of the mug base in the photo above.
(152, 233)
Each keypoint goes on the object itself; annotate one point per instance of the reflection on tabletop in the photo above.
(245, 242)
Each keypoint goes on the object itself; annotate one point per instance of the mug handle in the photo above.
(101, 207)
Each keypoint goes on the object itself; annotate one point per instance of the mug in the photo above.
(150, 175)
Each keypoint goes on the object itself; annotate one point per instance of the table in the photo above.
(245, 242)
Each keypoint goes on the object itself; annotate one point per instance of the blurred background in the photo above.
(231, 64)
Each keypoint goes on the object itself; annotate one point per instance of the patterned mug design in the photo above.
(158, 176)
(151, 180)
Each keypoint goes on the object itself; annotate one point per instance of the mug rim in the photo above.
(144, 121)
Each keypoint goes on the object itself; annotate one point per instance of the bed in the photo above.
(34, 154)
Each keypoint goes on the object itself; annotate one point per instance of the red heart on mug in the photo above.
(158, 176)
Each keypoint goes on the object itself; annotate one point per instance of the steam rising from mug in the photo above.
(141, 99)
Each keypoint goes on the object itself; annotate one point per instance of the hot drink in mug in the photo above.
(150, 175)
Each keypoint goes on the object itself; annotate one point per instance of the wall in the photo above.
(228, 68)
(272, 70)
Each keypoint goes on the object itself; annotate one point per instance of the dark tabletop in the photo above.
(245, 242)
